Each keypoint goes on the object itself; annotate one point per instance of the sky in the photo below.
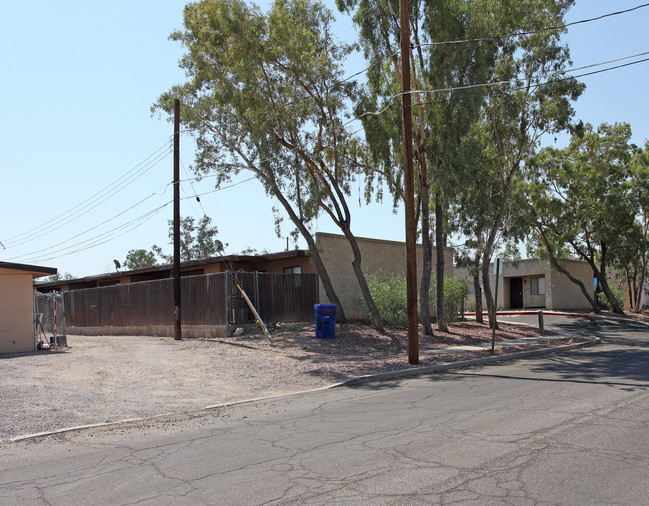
(86, 169)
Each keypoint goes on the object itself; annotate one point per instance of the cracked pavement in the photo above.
(562, 429)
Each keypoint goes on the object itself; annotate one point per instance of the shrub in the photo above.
(602, 300)
(389, 294)
(455, 294)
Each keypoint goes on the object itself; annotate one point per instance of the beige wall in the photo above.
(377, 256)
(560, 292)
(565, 293)
(16, 311)
(525, 269)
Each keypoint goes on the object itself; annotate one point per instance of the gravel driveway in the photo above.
(107, 379)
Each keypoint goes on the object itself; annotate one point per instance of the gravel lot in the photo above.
(107, 379)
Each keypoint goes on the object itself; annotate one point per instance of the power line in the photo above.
(532, 32)
(91, 202)
(191, 183)
(459, 41)
(109, 235)
(95, 240)
(90, 206)
(517, 79)
(538, 85)
(503, 82)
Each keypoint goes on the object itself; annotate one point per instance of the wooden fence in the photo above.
(207, 300)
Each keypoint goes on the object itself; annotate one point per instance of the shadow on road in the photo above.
(627, 369)
(624, 363)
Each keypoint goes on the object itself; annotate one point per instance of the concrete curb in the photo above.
(402, 373)
(533, 313)
(415, 371)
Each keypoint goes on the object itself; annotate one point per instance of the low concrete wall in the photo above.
(154, 330)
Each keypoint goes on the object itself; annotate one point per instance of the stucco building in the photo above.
(534, 284)
(17, 305)
(377, 255)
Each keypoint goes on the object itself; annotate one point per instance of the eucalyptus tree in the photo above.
(530, 96)
(584, 198)
(443, 70)
(636, 264)
(265, 94)
(139, 259)
(196, 241)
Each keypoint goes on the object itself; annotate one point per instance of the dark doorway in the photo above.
(516, 293)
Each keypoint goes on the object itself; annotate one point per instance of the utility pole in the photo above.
(409, 188)
(177, 319)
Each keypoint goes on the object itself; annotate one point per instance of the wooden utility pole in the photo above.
(409, 188)
(177, 319)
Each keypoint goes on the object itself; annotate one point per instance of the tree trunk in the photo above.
(489, 298)
(424, 287)
(315, 256)
(604, 282)
(365, 290)
(477, 289)
(578, 282)
(610, 296)
(478, 297)
(426, 243)
(326, 280)
(554, 262)
(439, 243)
(638, 303)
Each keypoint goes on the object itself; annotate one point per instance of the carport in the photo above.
(17, 305)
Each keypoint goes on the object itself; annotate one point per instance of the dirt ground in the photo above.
(107, 378)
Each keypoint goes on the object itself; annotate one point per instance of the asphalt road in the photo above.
(561, 429)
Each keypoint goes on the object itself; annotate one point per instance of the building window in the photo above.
(538, 286)
(293, 278)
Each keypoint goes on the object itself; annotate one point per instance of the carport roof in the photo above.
(35, 270)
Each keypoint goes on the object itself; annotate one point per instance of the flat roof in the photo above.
(35, 270)
(264, 257)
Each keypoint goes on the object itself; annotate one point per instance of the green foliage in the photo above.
(603, 302)
(455, 295)
(60, 277)
(139, 259)
(265, 92)
(389, 294)
(196, 241)
(510, 252)
(254, 251)
(584, 197)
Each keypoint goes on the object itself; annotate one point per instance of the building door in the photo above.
(516, 293)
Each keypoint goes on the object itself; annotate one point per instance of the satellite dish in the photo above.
(219, 246)
(117, 265)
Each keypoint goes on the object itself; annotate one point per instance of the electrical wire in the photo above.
(109, 235)
(95, 240)
(459, 41)
(191, 183)
(538, 85)
(76, 211)
(98, 198)
(532, 32)
(391, 98)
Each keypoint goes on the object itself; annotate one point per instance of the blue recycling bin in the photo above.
(325, 321)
